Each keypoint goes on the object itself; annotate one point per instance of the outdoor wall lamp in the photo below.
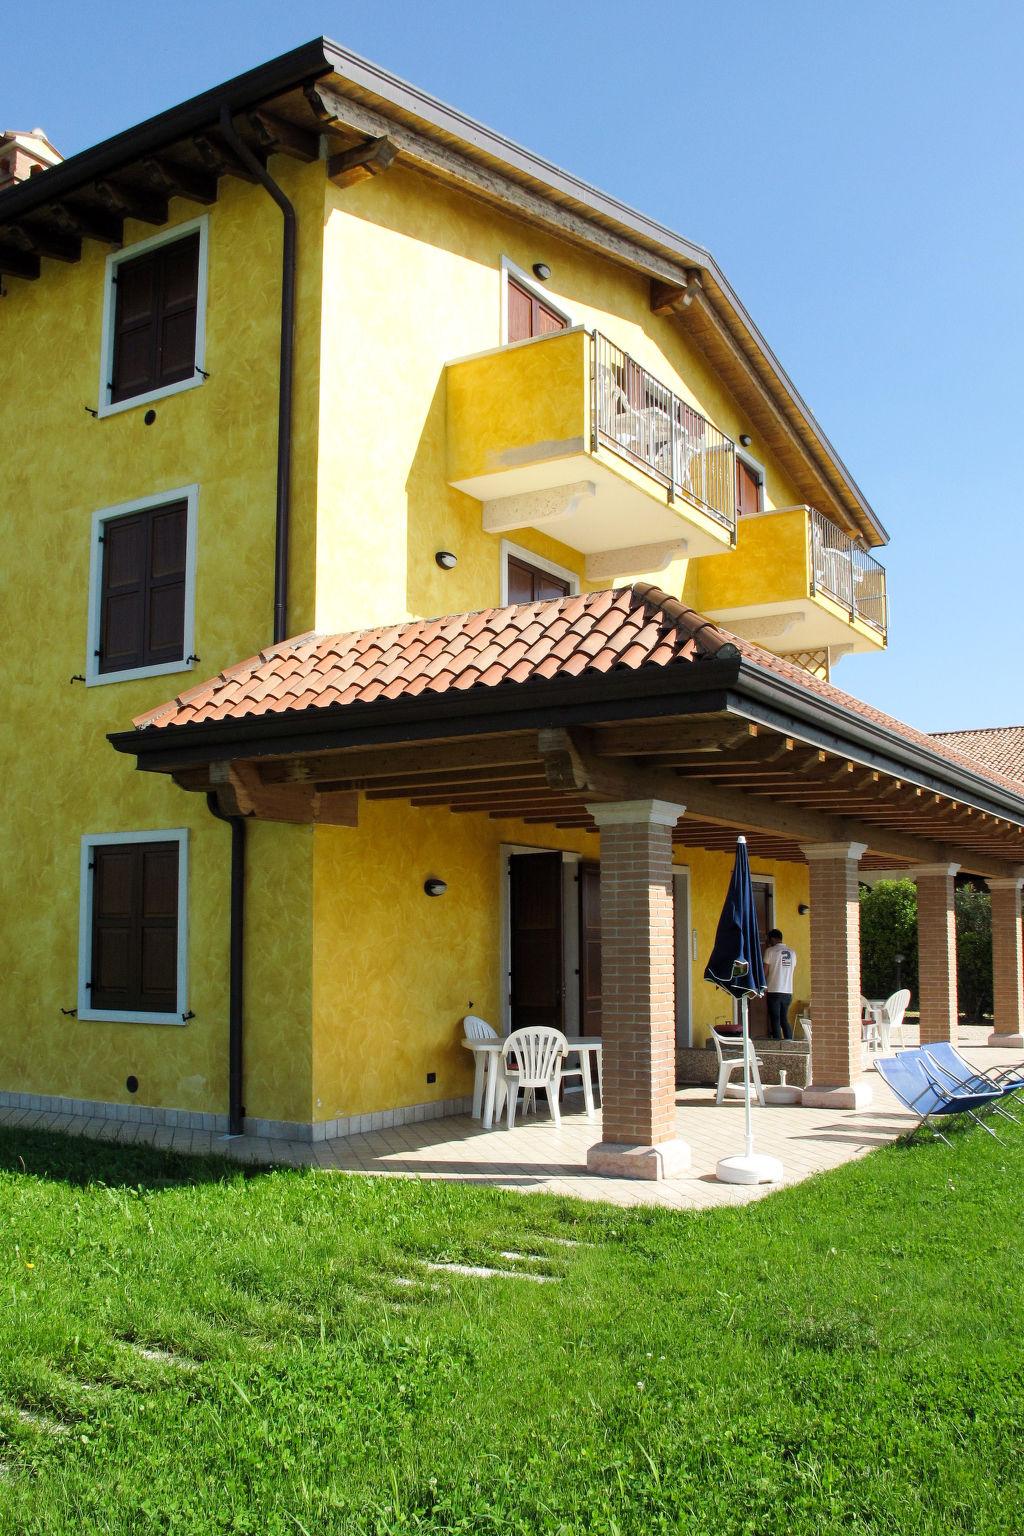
(803, 909)
(434, 887)
(541, 270)
(446, 560)
(745, 439)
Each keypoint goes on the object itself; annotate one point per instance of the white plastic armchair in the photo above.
(727, 1065)
(893, 1015)
(475, 1028)
(538, 1054)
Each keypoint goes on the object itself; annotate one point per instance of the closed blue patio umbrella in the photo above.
(737, 967)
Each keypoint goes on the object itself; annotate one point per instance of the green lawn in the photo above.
(186, 1348)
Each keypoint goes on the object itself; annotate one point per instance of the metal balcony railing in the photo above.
(847, 573)
(637, 416)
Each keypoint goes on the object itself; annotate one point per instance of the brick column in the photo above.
(1007, 963)
(638, 992)
(835, 978)
(936, 951)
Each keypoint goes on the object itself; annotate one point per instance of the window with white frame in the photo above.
(529, 578)
(154, 318)
(142, 587)
(133, 929)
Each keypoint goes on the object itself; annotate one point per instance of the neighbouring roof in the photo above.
(88, 189)
(997, 746)
(638, 630)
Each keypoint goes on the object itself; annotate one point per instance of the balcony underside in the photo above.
(596, 503)
(800, 624)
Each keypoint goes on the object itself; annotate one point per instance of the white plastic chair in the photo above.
(893, 1015)
(475, 1028)
(538, 1052)
(727, 1065)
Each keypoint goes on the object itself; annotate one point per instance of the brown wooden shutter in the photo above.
(135, 927)
(748, 490)
(529, 316)
(155, 309)
(142, 621)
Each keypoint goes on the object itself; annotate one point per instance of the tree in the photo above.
(888, 927)
(974, 951)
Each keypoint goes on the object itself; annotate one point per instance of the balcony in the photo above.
(567, 434)
(797, 582)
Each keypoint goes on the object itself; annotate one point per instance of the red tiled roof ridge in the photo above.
(978, 730)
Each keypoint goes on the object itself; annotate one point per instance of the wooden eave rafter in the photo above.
(552, 776)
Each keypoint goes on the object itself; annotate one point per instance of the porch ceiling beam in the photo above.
(132, 202)
(388, 762)
(46, 242)
(171, 179)
(655, 737)
(278, 136)
(465, 789)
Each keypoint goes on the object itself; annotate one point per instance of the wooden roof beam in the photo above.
(132, 202)
(44, 242)
(277, 136)
(14, 262)
(370, 158)
(171, 179)
(89, 222)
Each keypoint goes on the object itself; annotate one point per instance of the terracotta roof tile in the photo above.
(627, 628)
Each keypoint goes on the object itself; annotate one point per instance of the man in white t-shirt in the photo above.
(779, 966)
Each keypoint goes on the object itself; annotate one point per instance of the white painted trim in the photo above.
(538, 290)
(528, 557)
(165, 237)
(683, 927)
(93, 675)
(92, 840)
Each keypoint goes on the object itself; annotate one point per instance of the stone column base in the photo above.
(1007, 1042)
(852, 1096)
(626, 1160)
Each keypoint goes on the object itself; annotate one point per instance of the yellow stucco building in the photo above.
(496, 387)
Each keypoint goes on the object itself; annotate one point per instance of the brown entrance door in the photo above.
(535, 909)
(590, 949)
(757, 1011)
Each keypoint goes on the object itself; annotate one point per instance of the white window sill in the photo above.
(116, 407)
(94, 679)
(112, 1016)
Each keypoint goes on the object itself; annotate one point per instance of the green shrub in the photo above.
(974, 951)
(888, 927)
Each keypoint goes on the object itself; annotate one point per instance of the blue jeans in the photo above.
(778, 1015)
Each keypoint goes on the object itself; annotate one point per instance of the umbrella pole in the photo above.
(748, 1124)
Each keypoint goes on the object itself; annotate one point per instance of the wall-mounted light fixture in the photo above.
(745, 439)
(434, 887)
(541, 270)
(446, 560)
(803, 909)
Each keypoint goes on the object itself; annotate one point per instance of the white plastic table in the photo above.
(487, 1053)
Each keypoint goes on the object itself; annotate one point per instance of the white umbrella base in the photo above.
(755, 1169)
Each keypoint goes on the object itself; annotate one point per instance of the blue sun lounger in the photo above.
(956, 1070)
(919, 1088)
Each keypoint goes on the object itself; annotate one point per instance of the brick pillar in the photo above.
(1007, 963)
(936, 951)
(638, 992)
(835, 978)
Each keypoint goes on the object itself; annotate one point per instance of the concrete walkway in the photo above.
(536, 1156)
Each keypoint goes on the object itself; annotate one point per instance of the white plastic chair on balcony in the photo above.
(893, 1015)
(727, 1065)
(538, 1052)
(475, 1028)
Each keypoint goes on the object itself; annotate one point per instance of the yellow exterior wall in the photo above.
(61, 778)
(769, 564)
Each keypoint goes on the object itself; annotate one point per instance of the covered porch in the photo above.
(627, 715)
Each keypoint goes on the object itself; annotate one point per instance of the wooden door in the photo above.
(757, 1012)
(590, 949)
(535, 913)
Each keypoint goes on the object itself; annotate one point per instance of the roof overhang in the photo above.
(50, 214)
(750, 752)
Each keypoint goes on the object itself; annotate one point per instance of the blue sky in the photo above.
(856, 171)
